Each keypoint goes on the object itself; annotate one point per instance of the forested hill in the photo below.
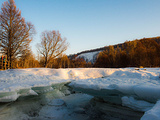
(147, 43)
(157, 39)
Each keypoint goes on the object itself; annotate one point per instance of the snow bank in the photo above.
(143, 84)
(15, 79)
(23, 82)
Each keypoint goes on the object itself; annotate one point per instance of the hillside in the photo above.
(91, 55)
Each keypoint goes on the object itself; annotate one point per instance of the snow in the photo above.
(24, 82)
(142, 84)
(130, 87)
(89, 57)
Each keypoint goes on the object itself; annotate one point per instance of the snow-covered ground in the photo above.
(136, 89)
(89, 57)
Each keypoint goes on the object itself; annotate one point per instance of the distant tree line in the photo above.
(64, 61)
(144, 52)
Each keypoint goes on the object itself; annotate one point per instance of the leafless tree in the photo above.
(52, 45)
(15, 33)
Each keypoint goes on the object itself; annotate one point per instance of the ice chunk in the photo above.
(21, 92)
(153, 114)
(125, 88)
(8, 96)
(67, 108)
(12, 96)
(26, 92)
(42, 89)
(148, 92)
(52, 112)
(77, 100)
(56, 102)
(138, 105)
(109, 95)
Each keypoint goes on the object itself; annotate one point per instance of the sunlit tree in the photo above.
(52, 45)
(15, 32)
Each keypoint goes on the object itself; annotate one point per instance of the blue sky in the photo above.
(89, 24)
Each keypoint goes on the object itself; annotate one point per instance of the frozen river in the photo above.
(76, 94)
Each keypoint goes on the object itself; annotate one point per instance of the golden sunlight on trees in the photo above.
(15, 32)
(144, 52)
(64, 63)
(28, 60)
(60, 62)
(52, 45)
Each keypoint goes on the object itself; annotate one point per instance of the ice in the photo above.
(138, 105)
(67, 108)
(137, 89)
(28, 107)
(26, 92)
(56, 102)
(149, 93)
(12, 96)
(8, 96)
(153, 114)
(142, 83)
(42, 89)
(21, 109)
(38, 80)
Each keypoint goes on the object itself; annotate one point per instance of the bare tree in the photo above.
(52, 45)
(15, 33)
